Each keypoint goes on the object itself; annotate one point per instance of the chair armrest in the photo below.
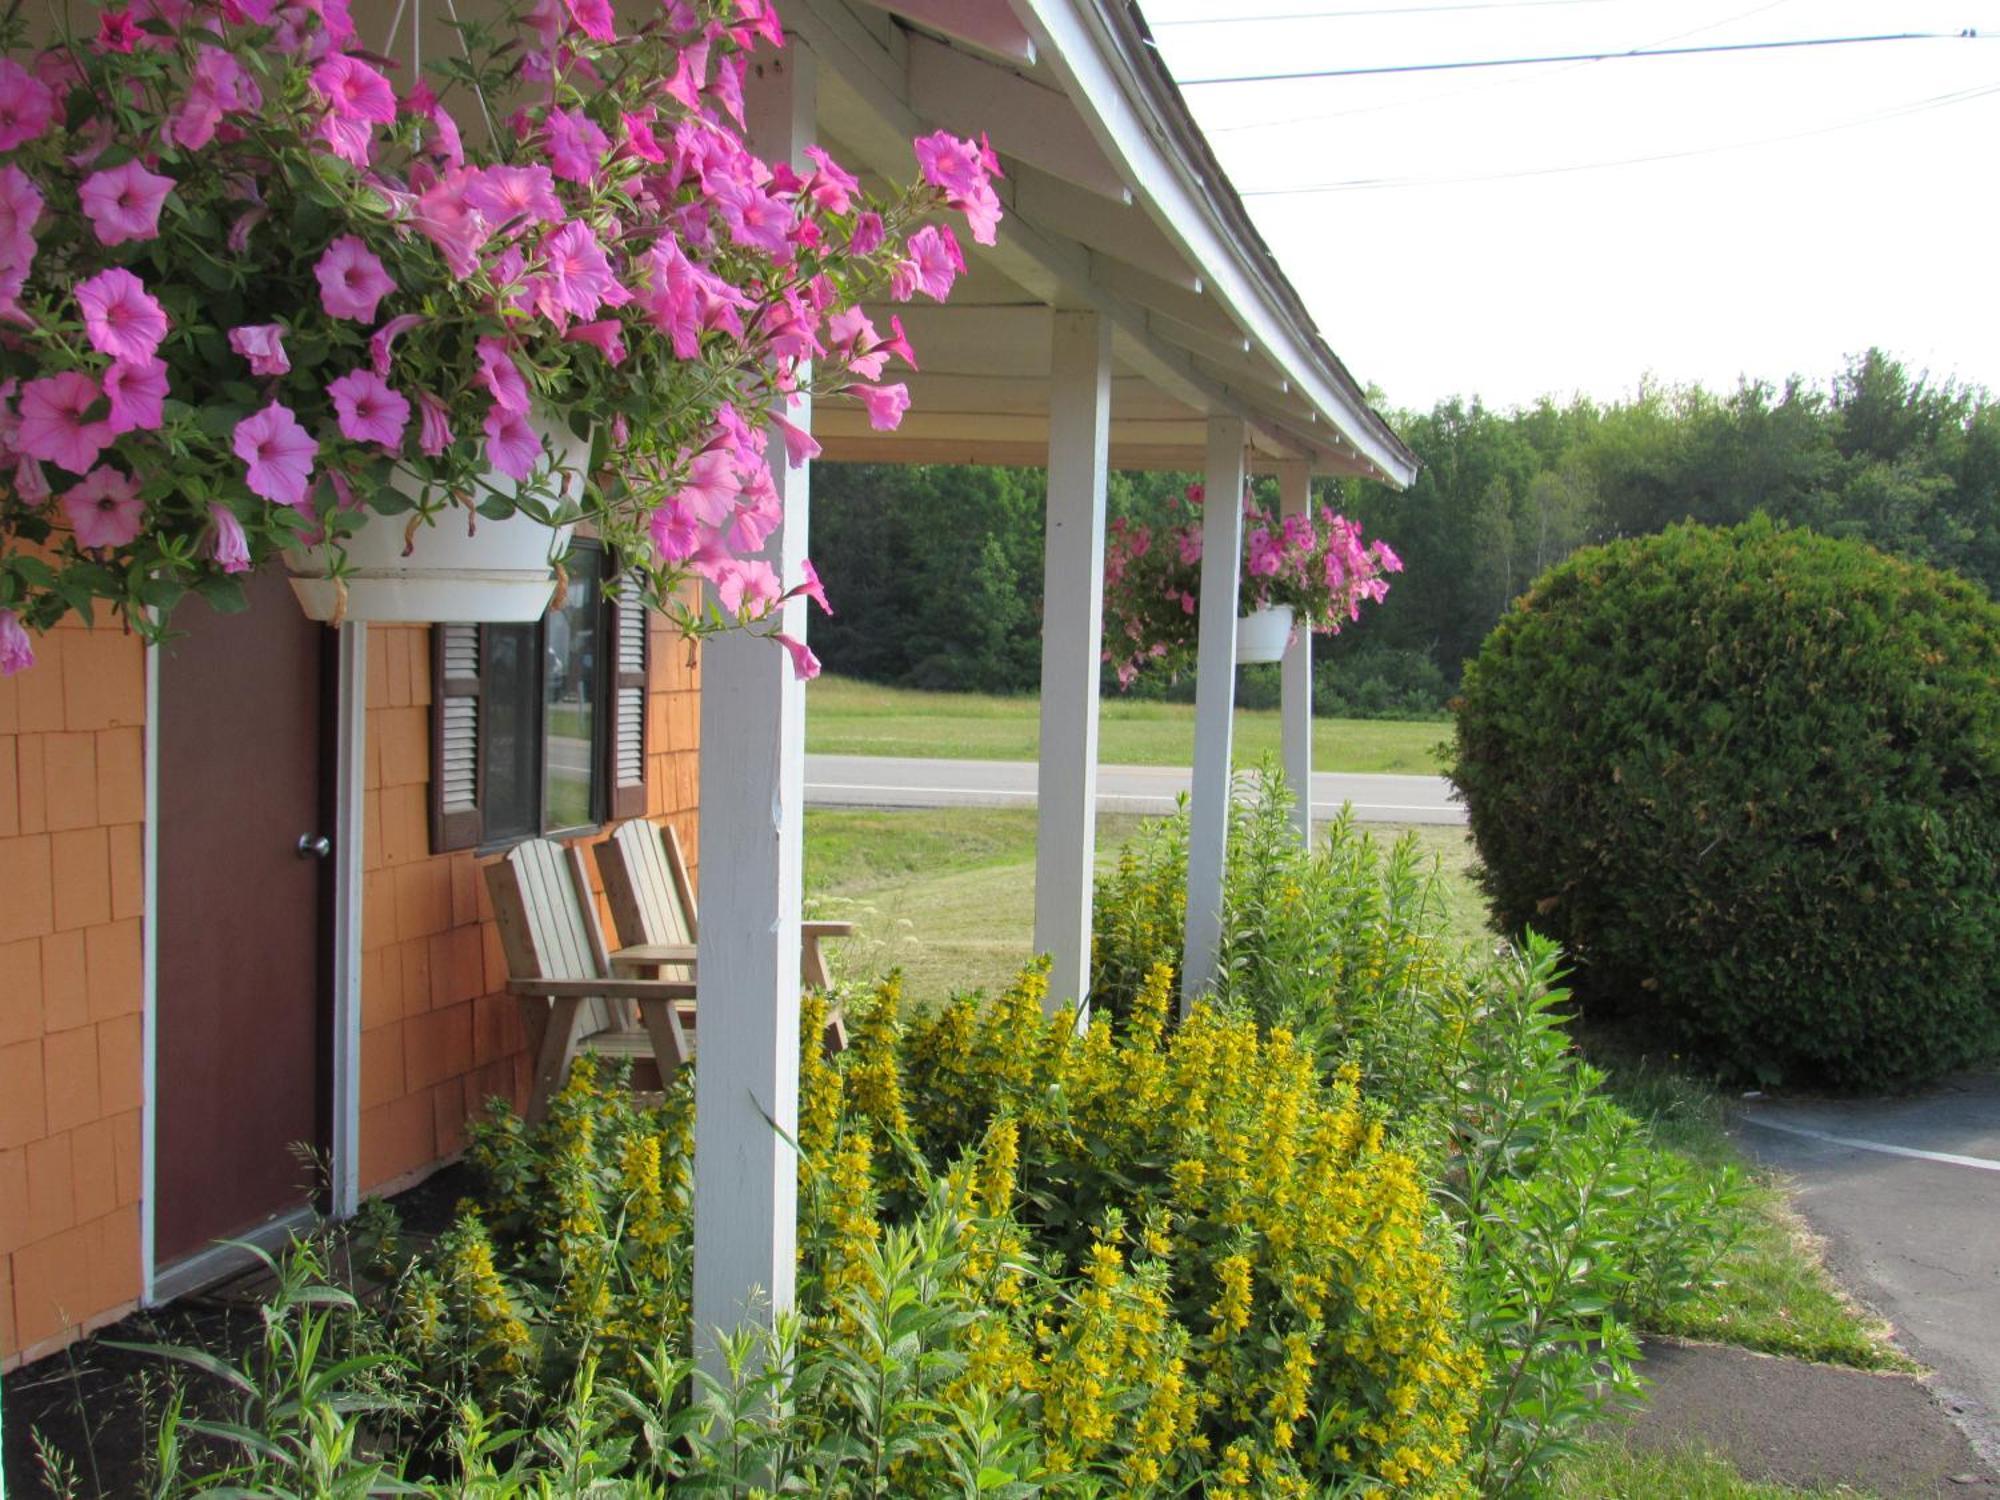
(602, 989)
(827, 929)
(654, 953)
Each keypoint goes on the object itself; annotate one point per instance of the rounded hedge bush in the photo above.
(1751, 779)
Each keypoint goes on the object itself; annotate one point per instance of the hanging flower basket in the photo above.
(261, 296)
(1301, 572)
(1263, 634)
(460, 566)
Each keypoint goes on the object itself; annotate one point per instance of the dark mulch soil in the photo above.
(97, 1404)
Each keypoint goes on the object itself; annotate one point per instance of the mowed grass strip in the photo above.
(845, 717)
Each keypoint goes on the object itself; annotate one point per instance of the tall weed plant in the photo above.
(1574, 1226)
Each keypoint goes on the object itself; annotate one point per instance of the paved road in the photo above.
(892, 781)
(1907, 1195)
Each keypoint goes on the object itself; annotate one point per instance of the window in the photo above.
(540, 728)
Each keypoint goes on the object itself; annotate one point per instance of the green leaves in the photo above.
(1737, 773)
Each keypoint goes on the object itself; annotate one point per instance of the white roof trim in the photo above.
(1101, 54)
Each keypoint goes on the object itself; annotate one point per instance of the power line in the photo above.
(1364, 184)
(1374, 10)
(1968, 34)
(1486, 85)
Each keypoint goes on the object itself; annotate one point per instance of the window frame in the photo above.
(461, 702)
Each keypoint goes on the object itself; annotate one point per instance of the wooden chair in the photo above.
(652, 904)
(556, 958)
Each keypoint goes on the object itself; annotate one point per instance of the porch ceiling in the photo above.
(1114, 203)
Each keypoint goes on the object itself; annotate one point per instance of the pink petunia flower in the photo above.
(805, 666)
(27, 105)
(576, 278)
(434, 433)
(369, 409)
(511, 444)
(351, 280)
(831, 186)
(745, 586)
(278, 454)
(20, 209)
(712, 486)
(116, 32)
(639, 137)
(801, 447)
(354, 91)
(217, 85)
(231, 549)
(51, 422)
(755, 218)
(606, 336)
(120, 316)
(105, 510)
(123, 202)
(933, 262)
(959, 170)
(886, 404)
(263, 344)
(381, 339)
(505, 194)
(867, 234)
(594, 17)
(17, 652)
(577, 148)
(812, 588)
(501, 376)
(448, 220)
(137, 391)
(676, 531)
(31, 483)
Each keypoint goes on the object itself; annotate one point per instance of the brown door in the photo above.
(243, 1034)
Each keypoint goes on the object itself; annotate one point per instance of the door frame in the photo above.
(349, 705)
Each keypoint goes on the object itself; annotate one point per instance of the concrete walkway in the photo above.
(910, 781)
(1785, 1421)
(1906, 1193)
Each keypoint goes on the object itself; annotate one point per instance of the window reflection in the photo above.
(573, 657)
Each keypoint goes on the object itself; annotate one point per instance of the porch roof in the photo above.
(1115, 203)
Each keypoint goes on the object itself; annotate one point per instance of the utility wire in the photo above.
(1487, 85)
(1969, 34)
(1363, 184)
(1374, 10)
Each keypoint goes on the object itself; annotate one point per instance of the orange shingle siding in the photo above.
(72, 801)
(439, 1034)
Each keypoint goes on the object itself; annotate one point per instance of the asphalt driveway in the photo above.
(1906, 1192)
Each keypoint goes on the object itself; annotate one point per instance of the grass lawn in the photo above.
(1604, 1470)
(845, 717)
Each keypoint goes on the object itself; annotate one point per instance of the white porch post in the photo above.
(1072, 631)
(752, 807)
(1296, 675)
(1214, 704)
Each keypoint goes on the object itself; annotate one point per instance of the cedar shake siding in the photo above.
(438, 1032)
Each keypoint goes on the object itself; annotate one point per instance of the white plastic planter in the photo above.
(1263, 634)
(494, 572)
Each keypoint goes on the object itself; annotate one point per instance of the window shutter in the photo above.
(626, 743)
(455, 723)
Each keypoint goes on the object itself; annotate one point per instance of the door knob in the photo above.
(314, 846)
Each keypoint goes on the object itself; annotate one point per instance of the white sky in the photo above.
(1875, 223)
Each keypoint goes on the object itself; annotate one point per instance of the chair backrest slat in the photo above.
(559, 925)
(645, 897)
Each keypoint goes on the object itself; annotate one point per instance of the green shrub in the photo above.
(1751, 780)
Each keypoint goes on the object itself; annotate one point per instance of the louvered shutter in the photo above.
(455, 714)
(626, 743)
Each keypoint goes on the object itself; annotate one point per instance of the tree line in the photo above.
(936, 571)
